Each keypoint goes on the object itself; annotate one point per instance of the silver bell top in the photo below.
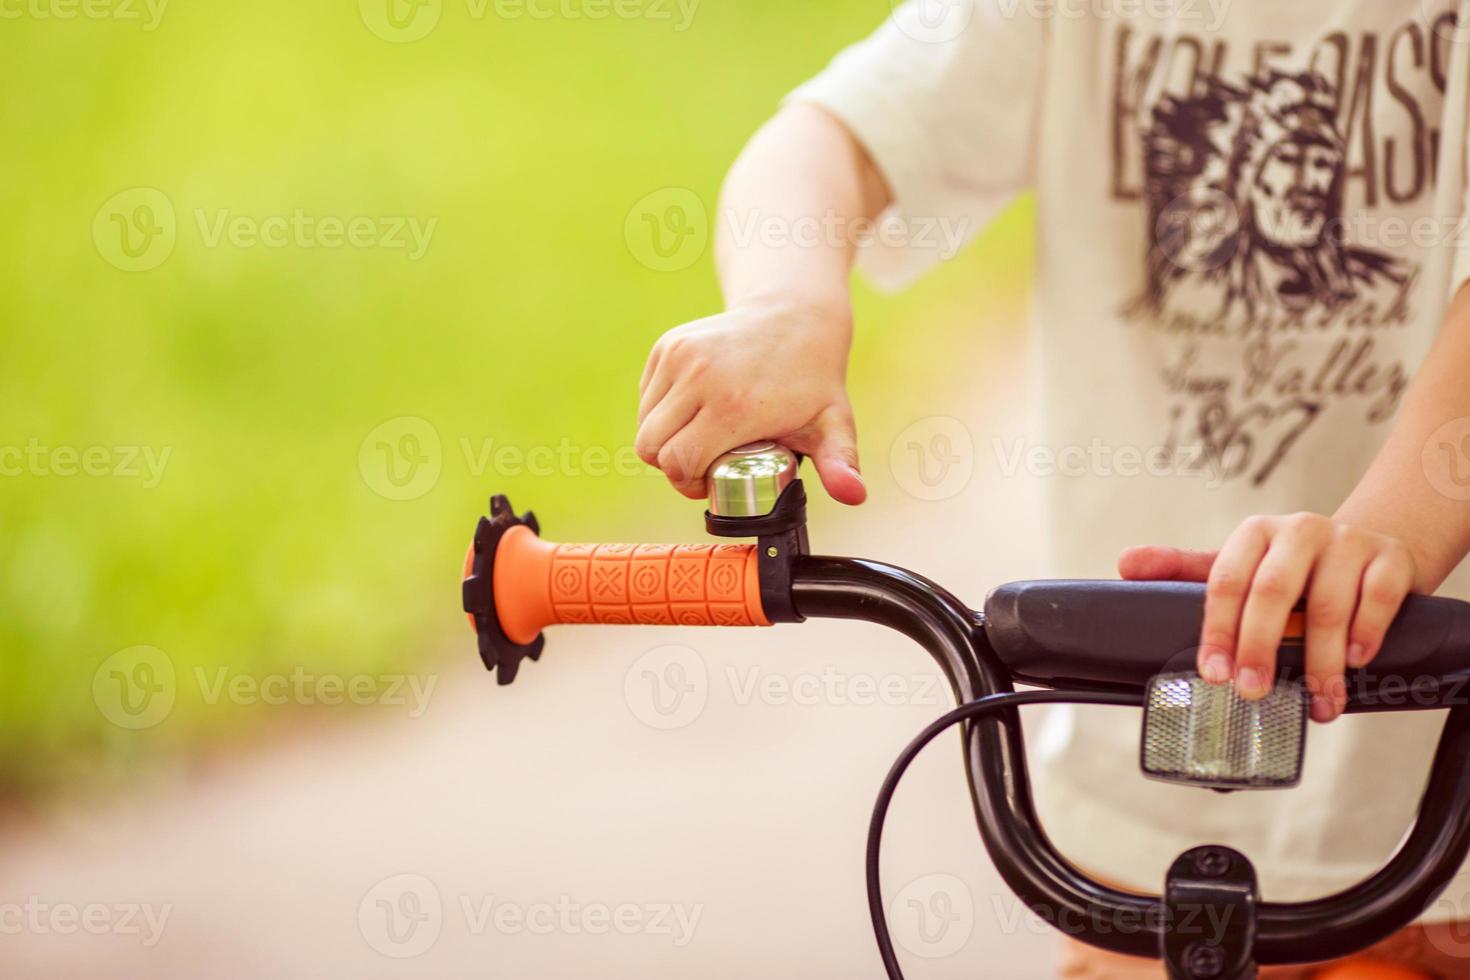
(746, 482)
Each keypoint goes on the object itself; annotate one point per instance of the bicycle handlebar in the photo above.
(1051, 634)
(1326, 928)
(515, 585)
(538, 583)
(1117, 635)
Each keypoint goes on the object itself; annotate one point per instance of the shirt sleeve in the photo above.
(944, 98)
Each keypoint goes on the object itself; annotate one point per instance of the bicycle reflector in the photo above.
(1204, 734)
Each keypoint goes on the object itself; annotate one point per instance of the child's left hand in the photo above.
(1353, 579)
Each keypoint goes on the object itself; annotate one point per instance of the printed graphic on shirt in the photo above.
(1267, 195)
(1245, 200)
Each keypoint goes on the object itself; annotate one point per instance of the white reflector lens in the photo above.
(1205, 734)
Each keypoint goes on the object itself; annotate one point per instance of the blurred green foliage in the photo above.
(261, 370)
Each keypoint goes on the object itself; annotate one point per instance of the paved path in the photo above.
(552, 829)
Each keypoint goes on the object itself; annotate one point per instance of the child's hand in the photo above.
(770, 372)
(1354, 581)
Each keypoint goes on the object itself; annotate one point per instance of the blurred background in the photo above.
(289, 290)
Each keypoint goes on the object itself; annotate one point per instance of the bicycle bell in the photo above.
(747, 482)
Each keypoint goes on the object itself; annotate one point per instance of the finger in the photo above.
(1386, 581)
(659, 375)
(671, 415)
(1331, 599)
(687, 457)
(696, 489)
(654, 392)
(836, 457)
(1156, 563)
(650, 367)
(1279, 582)
(1225, 592)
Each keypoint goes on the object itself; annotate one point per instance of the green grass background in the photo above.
(527, 322)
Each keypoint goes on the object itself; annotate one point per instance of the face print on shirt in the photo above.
(1274, 179)
(1244, 186)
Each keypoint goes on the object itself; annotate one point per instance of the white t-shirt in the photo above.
(1250, 221)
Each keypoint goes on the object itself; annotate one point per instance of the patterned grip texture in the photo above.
(656, 584)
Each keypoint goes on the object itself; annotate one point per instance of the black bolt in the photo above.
(1204, 961)
(1212, 862)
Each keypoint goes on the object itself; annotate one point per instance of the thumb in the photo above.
(835, 457)
(1152, 562)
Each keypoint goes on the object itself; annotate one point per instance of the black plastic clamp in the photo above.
(781, 538)
(1210, 900)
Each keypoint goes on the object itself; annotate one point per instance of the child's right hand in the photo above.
(774, 371)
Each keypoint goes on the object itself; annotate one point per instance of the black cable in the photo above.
(976, 708)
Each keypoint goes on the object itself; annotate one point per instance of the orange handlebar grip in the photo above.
(539, 583)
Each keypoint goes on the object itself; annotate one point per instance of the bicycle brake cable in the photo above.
(965, 712)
